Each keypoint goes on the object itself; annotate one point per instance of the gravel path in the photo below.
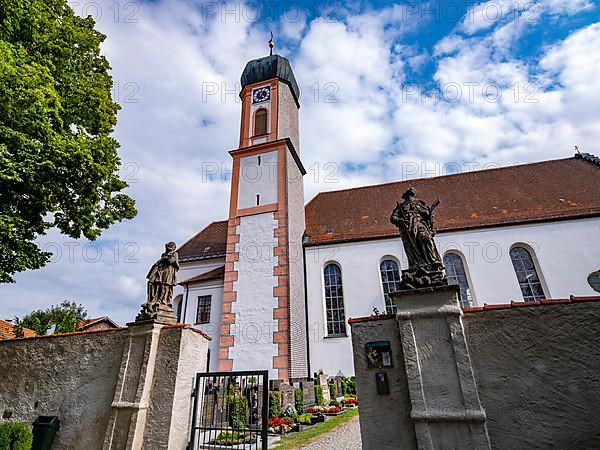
(344, 437)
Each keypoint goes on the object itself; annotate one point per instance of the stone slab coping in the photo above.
(486, 307)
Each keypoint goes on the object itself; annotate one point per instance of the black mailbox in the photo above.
(381, 381)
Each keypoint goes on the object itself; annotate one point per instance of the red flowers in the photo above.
(275, 422)
(324, 409)
(350, 401)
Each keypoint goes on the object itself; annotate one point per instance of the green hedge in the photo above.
(319, 395)
(238, 412)
(274, 404)
(299, 397)
(333, 390)
(15, 436)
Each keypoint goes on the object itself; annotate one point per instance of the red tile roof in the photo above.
(208, 243)
(7, 332)
(215, 274)
(84, 324)
(549, 190)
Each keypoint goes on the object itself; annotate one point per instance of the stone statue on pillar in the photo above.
(414, 219)
(162, 278)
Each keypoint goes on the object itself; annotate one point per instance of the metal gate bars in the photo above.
(230, 410)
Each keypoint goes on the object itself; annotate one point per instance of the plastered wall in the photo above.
(536, 370)
(75, 377)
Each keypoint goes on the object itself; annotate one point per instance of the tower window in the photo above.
(529, 281)
(260, 122)
(257, 199)
(334, 300)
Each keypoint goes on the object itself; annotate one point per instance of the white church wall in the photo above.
(563, 250)
(258, 178)
(254, 324)
(215, 290)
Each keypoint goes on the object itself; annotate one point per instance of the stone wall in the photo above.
(535, 369)
(538, 369)
(384, 419)
(76, 376)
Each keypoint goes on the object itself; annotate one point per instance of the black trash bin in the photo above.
(44, 431)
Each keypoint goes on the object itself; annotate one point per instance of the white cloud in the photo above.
(174, 54)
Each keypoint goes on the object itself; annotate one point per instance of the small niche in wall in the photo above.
(257, 199)
(379, 355)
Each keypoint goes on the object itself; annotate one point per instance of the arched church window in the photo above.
(260, 122)
(529, 281)
(178, 301)
(390, 280)
(456, 273)
(334, 300)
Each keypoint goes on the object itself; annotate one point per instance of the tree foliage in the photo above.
(63, 317)
(58, 162)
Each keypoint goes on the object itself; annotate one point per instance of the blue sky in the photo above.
(389, 91)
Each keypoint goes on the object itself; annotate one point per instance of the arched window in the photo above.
(390, 279)
(529, 281)
(260, 122)
(334, 300)
(178, 302)
(455, 271)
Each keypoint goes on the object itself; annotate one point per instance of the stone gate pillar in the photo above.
(129, 408)
(445, 406)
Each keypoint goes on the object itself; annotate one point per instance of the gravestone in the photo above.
(323, 382)
(287, 396)
(308, 393)
(338, 384)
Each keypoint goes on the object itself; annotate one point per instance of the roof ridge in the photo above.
(444, 176)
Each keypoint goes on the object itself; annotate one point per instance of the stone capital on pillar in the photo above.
(445, 406)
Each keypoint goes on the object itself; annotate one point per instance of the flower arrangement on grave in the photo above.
(280, 425)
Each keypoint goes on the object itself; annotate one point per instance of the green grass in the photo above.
(304, 437)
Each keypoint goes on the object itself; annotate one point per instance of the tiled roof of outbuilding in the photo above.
(209, 243)
(7, 332)
(215, 274)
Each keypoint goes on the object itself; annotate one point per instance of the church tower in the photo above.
(263, 322)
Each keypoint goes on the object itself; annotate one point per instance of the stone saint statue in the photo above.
(414, 219)
(162, 278)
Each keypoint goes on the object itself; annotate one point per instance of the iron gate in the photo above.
(230, 410)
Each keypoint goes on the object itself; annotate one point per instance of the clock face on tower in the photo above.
(261, 94)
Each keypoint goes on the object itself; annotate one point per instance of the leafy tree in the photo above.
(58, 162)
(63, 317)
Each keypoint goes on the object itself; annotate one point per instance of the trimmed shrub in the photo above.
(274, 404)
(15, 436)
(333, 390)
(319, 395)
(333, 402)
(299, 400)
(238, 412)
